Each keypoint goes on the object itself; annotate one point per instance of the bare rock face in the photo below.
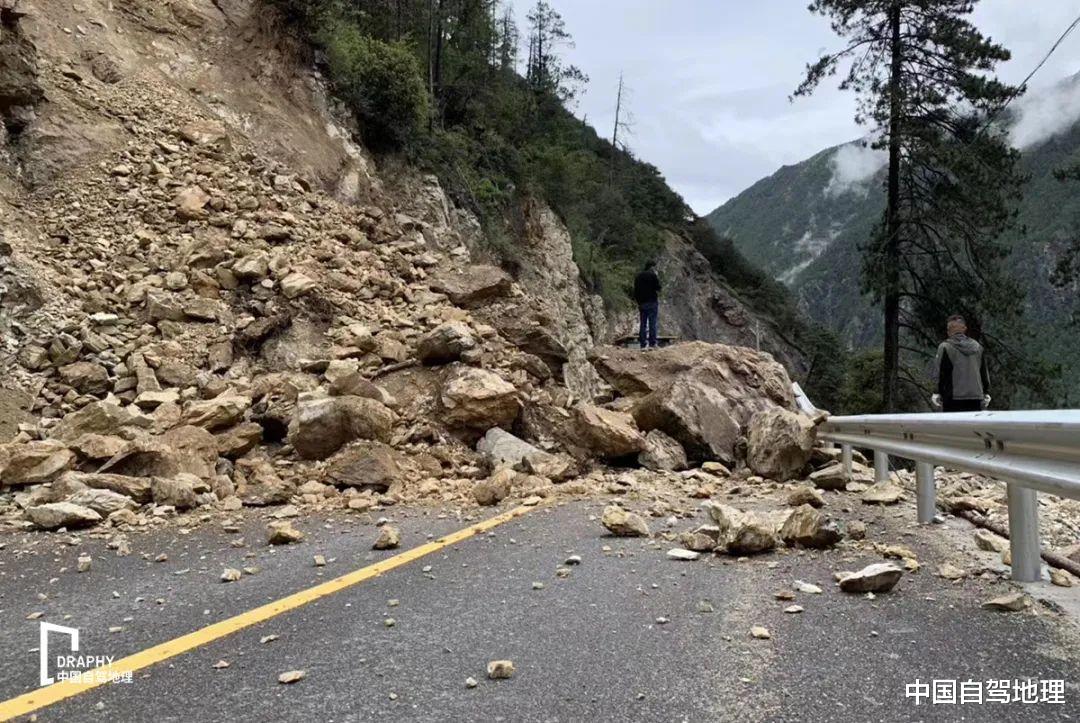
(445, 343)
(703, 395)
(323, 425)
(662, 453)
(474, 285)
(608, 433)
(478, 399)
(806, 527)
(54, 515)
(779, 444)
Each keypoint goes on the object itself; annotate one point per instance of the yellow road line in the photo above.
(48, 695)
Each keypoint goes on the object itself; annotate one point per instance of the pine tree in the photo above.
(921, 72)
(546, 72)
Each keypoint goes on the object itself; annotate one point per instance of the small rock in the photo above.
(470, 682)
(230, 574)
(678, 553)
(793, 609)
(284, 534)
(879, 577)
(1061, 578)
(291, 676)
(1012, 603)
(221, 664)
(500, 669)
(388, 539)
(84, 563)
(807, 587)
(951, 572)
(760, 633)
(622, 523)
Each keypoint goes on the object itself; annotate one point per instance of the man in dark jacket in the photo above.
(647, 296)
(963, 384)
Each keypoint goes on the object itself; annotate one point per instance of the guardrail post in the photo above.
(1024, 533)
(926, 492)
(881, 467)
(845, 458)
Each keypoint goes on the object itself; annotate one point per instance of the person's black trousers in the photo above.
(650, 313)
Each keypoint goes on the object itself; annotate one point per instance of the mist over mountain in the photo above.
(805, 225)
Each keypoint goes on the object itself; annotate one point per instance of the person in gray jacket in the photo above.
(963, 384)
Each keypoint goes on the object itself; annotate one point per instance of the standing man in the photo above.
(963, 384)
(647, 296)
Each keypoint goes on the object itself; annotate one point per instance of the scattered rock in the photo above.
(879, 577)
(283, 533)
(389, 538)
(807, 527)
(1011, 603)
(678, 553)
(622, 523)
(500, 669)
(291, 676)
(760, 633)
(884, 493)
(662, 453)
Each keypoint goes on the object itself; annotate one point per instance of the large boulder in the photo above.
(369, 465)
(217, 413)
(445, 343)
(478, 399)
(503, 449)
(322, 425)
(779, 444)
(137, 488)
(662, 453)
(104, 502)
(54, 515)
(702, 394)
(194, 448)
(33, 462)
(608, 433)
(99, 418)
(178, 491)
(474, 285)
(85, 377)
(699, 416)
(751, 379)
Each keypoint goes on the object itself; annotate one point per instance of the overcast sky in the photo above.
(709, 79)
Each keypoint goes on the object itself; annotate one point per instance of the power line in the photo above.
(1020, 88)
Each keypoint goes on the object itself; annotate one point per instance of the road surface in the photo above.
(626, 635)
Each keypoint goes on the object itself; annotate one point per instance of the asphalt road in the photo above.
(588, 646)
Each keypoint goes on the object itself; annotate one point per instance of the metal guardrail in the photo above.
(1032, 452)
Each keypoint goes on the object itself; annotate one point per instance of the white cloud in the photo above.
(853, 166)
(1043, 114)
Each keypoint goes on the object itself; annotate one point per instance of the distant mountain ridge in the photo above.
(805, 224)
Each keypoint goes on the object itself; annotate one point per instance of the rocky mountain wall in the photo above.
(209, 297)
